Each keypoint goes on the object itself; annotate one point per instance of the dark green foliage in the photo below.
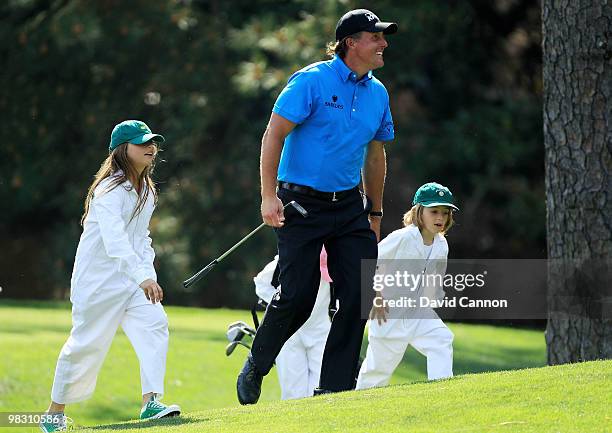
(465, 97)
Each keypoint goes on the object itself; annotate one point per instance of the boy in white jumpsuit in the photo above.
(299, 362)
(420, 244)
(114, 281)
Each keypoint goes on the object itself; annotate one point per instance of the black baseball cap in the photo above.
(362, 20)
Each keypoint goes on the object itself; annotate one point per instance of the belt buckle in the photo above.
(334, 196)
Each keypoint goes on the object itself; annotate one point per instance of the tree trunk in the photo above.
(577, 45)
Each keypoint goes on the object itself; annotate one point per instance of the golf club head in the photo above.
(249, 331)
(237, 330)
(299, 208)
(229, 349)
(234, 334)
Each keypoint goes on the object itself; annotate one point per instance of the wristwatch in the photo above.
(376, 213)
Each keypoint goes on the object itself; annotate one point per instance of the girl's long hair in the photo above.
(118, 166)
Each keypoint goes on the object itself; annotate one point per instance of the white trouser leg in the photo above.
(93, 327)
(146, 326)
(314, 354)
(386, 346)
(292, 368)
(434, 340)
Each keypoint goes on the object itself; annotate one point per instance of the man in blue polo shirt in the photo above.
(326, 133)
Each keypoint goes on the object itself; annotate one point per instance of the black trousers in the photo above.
(343, 227)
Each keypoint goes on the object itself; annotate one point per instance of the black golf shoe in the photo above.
(249, 383)
(319, 391)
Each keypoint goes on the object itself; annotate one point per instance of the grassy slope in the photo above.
(569, 398)
(199, 375)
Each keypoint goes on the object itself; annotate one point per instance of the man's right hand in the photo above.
(272, 211)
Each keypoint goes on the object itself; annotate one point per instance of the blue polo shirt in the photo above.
(336, 116)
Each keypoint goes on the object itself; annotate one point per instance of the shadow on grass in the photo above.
(137, 425)
(203, 335)
(506, 359)
(31, 303)
(470, 360)
(35, 329)
(32, 329)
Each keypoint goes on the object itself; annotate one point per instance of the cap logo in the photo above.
(441, 193)
(370, 16)
(143, 127)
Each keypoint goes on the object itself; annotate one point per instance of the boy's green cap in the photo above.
(133, 131)
(433, 194)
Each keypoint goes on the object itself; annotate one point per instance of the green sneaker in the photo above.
(155, 409)
(53, 422)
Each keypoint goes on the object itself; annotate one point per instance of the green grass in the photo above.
(569, 398)
(199, 375)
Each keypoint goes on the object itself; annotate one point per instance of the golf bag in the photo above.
(237, 331)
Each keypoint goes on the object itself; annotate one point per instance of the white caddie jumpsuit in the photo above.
(299, 362)
(388, 341)
(113, 257)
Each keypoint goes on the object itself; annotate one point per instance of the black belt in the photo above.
(306, 190)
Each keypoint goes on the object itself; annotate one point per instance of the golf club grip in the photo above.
(200, 274)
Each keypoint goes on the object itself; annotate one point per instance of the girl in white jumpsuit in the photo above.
(113, 280)
(422, 241)
(299, 362)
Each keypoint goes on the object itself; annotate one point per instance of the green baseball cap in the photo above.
(133, 131)
(433, 194)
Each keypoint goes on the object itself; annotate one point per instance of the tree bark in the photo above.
(577, 68)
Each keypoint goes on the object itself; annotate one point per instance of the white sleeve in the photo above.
(436, 292)
(441, 265)
(442, 262)
(263, 281)
(441, 270)
(106, 206)
(149, 255)
(387, 248)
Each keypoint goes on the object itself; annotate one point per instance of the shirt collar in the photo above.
(416, 234)
(127, 184)
(346, 74)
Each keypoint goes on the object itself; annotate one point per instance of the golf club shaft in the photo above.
(202, 272)
(240, 242)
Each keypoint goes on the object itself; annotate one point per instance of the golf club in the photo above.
(230, 347)
(237, 330)
(205, 270)
(234, 334)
